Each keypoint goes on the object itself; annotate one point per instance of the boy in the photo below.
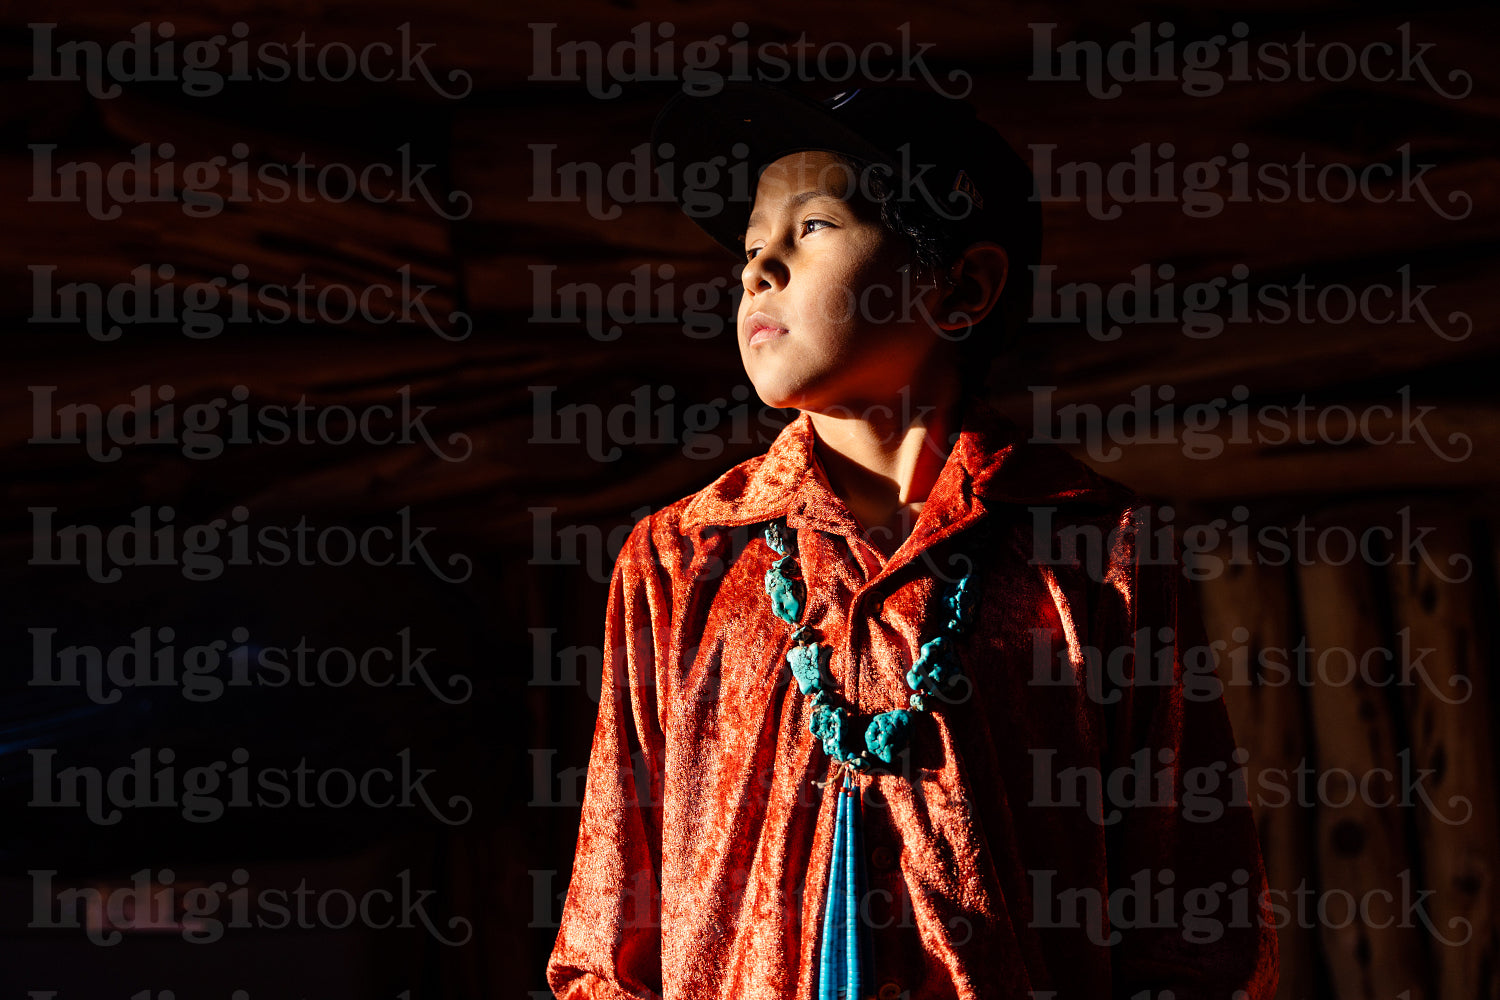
(905, 707)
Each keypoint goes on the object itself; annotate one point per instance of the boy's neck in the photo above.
(884, 462)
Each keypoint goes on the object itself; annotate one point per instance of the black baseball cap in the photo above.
(935, 149)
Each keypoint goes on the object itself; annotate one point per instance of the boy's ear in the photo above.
(973, 286)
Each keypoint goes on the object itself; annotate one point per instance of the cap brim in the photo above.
(715, 146)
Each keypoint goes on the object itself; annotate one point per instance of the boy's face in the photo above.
(830, 317)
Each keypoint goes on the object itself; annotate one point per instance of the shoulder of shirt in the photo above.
(1041, 473)
(682, 519)
(1034, 473)
(1078, 492)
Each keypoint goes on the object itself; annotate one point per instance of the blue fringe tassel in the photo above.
(842, 955)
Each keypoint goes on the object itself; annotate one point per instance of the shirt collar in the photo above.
(990, 464)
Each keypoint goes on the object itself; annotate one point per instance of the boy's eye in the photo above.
(806, 223)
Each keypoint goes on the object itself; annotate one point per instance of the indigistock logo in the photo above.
(1204, 792)
(570, 666)
(1151, 536)
(202, 188)
(695, 183)
(1264, 665)
(152, 53)
(636, 893)
(604, 190)
(153, 538)
(696, 64)
(1152, 53)
(556, 786)
(204, 429)
(207, 793)
(202, 912)
(585, 546)
(705, 309)
(1154, 174)
(1202, 309)
(1156, 658)
(699, 307)
(1195, 427)
(1152, 898)
(879, 908)
(1152, 658)
(203, 672)
(202, 309)
(592, 550)
(603, 433)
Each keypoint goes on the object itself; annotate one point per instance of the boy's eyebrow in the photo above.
(792, 202)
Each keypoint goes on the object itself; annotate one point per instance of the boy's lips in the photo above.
(762, 328)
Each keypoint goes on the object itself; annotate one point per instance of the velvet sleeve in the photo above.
(609, 940)
(1187, 882)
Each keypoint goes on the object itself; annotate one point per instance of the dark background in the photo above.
(539, 521)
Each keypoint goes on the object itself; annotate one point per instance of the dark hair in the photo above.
(936, 243)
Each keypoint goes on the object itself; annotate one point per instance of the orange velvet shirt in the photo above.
(1071, 823)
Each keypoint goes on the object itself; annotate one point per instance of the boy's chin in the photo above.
(790, 386)
(776, 400)
(772, 389)
(779, 392)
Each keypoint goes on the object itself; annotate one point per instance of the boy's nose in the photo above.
(765, 271)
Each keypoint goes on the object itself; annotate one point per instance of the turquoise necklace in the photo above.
(841, 954)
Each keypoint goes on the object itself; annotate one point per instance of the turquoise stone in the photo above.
(810, 666)
(937, 662)
(944, 664)
(961, 600)
(786, 592)
(780, 538)
(828, 725)
(888, 734)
